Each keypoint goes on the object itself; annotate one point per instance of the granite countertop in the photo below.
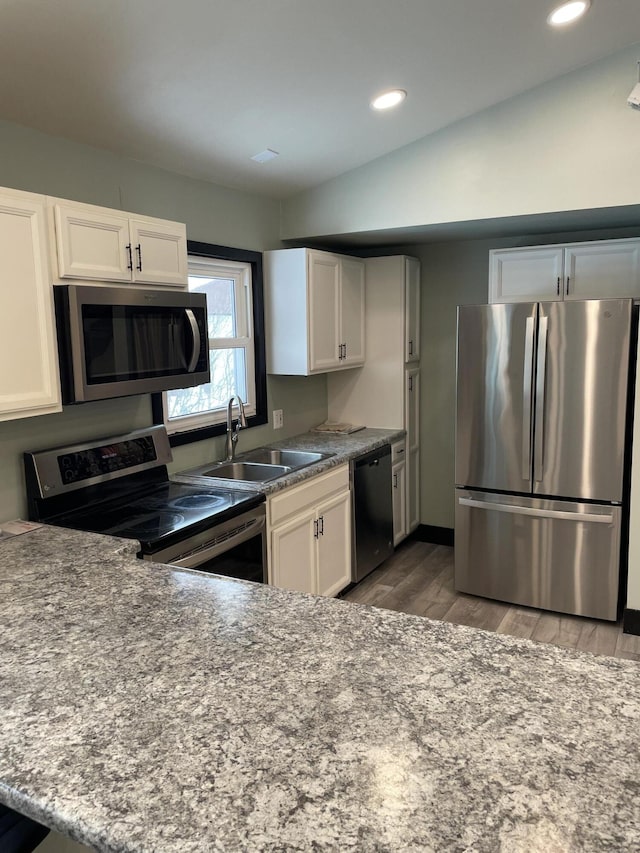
(342, 447)
(148, 708)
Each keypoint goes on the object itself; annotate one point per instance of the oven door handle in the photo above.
(214, 548)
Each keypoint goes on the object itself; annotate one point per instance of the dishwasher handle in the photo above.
(372, 458)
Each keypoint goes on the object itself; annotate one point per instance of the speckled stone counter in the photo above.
(342, 447)
(145, 708)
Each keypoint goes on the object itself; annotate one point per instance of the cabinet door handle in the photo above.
(321, 521)
(315, 529)
(411, 383)
(558, 287)
(567, 286)
(410, 347)
(130, 264)
(395, 481)
(139, 254)
(345, 350)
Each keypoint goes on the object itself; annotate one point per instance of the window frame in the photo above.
(254, 260)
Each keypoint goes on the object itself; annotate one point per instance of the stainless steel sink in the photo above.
(259, 465)
(290, 458)
(250, 472)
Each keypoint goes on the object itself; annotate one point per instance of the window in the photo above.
(232, 282)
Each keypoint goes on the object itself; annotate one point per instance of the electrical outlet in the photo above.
(278, 419)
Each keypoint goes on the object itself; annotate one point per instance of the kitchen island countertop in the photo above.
(148, 708)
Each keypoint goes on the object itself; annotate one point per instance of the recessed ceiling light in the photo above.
(388, 99)
(568, 12)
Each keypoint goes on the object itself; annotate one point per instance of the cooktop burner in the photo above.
(149, 526)
(204, 501)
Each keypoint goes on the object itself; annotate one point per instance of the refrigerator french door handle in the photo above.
(195, 337)
(541, 368)
(538, 513)
(526, 398)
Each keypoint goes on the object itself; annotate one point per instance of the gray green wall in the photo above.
(452, 274)
(35, 162)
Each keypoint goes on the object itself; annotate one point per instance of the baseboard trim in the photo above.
(631, 621)
(435, 535)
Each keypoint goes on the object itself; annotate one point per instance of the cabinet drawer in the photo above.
(398, 451)
(298, 498)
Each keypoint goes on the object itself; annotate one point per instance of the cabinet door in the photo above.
(412, 425)
(29, 383)
(92, 245)
(603, 269)
(411, 310)
(293, 554)
(159, 252)
(525, 275)
(352, 312)
(324, 303)
(334, 545)
(398, 479)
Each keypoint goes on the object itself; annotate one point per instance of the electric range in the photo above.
(120, 486)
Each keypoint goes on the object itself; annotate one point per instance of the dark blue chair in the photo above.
(19, 834)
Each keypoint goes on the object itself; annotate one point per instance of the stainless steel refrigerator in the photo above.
(540, 453)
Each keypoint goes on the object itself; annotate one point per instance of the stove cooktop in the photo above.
(167, 513)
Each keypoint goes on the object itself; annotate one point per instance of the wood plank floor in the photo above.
(418, 579)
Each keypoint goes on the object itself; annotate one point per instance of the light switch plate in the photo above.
(278, 419)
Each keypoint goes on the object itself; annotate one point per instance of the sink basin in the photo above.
(259, 465)
(290, 458)
(250, 472)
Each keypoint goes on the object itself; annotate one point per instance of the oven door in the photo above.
(235, 548)
(116, 341)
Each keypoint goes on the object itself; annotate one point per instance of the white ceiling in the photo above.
(199, 86)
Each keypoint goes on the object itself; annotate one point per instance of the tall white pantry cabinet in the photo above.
(385, 392)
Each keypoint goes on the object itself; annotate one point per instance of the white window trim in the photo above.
(240, 272)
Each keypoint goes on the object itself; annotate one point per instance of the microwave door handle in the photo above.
(195, 336)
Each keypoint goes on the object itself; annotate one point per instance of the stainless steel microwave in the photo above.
(117, 341)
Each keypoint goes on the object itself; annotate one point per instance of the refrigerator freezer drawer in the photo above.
(555, 555)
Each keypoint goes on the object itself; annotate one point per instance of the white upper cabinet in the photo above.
(602, 269)
(323, 322)
(412, 310)
(314, 305)
(596, 270)
(29, 383)
(159, 251)
(352, 311)
(98, 244)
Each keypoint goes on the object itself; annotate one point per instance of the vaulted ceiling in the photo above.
(200, 86)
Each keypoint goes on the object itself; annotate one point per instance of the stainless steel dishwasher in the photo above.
(372, 510)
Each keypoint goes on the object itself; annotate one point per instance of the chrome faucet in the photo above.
(232, 435)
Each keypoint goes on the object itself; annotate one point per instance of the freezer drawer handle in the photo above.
(539, 513)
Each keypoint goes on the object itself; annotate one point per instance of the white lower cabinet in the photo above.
(399, 494)
(29, 379)
(309, 535)
(412, 422)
